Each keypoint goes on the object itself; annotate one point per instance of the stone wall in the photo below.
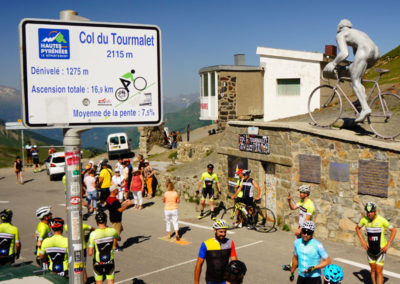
(189, 152)
(150, 136)
(339, 207)
(226, 100)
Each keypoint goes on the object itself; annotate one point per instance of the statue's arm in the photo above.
(343, 49)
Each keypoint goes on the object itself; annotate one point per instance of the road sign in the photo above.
(90, 74)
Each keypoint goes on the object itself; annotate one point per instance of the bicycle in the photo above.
(325, 106)
(139, 83)
(261, 219)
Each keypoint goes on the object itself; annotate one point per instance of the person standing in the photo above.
(91, 191)
(207, 183)
(306, 211)
(28, 149)
(171, 200)
(105, 182)
(376, 245)
(309, 256)
(102, 241)
(55, 249)
(115, 208)
(43, 230)
(178, 136)
(118, 181)
(10, 246)
(235, 272)
(119, 166)
(188, 132)
(18, 170)
(141, 164)
(148, 174)
(35, 159)
(137, 188)
(216, 251)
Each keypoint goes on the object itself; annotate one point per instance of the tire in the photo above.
(140, 83)
(388, 126)
(264, 220)
(324, 106)
(231, 219)
(51, 177)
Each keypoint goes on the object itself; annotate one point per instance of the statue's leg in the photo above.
(357, 70)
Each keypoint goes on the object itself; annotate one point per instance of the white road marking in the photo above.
(176, 265)
(356, 264)
(63, 204)
(201, 226)
(1, 201)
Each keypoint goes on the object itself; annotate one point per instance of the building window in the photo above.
(288, 87)
(212, 85)
(205, 85)
(208, 84)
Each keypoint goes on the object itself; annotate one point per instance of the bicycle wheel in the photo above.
(231, 219)
(324, 106)
(385, 116)
(264, 220)
(140, 83)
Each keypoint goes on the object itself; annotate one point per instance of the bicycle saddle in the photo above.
(382, 71)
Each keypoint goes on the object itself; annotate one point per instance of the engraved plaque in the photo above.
(373, 178)
(310, 168)
(339, 171)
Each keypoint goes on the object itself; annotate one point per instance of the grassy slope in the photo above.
(391, 61)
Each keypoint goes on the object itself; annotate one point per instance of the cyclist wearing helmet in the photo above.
(246, 189)
(376, 245)
(207, 182)
(333, 274)
(235, 272)
(102, 242)
(55, 249)
(43, 230)
(309, 256)
(216, 251)
(305, 205)
(10, 246)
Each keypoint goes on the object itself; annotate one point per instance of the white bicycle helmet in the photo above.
(305, 188)
(43, 211)
(220, 224)
(246, 172)
(309, 225)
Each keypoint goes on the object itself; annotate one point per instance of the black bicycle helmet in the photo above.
(210, 166)
(6, 215)
(236, 267)
(101, 217)
(370, 207)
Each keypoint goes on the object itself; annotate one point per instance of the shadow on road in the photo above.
(29, 180)
(135, 240)
(183, 230)
(2, 178)
(138, 281)
(148, 204)
(365, 276)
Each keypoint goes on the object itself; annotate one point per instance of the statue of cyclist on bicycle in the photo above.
(366, 53)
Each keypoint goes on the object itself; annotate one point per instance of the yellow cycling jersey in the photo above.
(208, 180)
(56, 248)
(238, 184)
(306, 208)
(103, 241)
(43, 231)
(9, 236)
(375, 232)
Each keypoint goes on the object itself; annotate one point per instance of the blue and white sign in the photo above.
(90, 74)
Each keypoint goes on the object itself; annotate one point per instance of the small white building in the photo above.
(289, 78)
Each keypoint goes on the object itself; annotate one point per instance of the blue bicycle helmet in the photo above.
(333, 273)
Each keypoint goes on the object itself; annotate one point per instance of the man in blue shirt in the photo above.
(309, 256)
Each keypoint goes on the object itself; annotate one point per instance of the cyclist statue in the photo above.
(366, 53)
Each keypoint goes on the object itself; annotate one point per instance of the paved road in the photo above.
(148, 256)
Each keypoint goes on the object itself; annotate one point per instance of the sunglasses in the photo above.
(307, 232)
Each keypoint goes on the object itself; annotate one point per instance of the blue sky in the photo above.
(196, 34)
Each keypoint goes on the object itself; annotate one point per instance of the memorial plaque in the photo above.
(310, 168)
(373, 178)
(254, 143)
(339, 171)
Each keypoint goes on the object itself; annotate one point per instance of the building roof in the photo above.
(245, 68)
(289, 54)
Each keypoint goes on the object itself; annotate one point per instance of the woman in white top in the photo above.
(91, 191)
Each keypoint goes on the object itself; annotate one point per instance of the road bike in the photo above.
(325, 106)
(261, 219)
(139, 83)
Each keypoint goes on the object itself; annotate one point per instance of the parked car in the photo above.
(55, 165)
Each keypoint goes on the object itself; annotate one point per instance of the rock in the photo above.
(347, 225)
(157, 150)
(345, 236)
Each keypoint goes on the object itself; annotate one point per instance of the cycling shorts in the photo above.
(309, 280)
(209, 192)
(104, 268)
(378, 259)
